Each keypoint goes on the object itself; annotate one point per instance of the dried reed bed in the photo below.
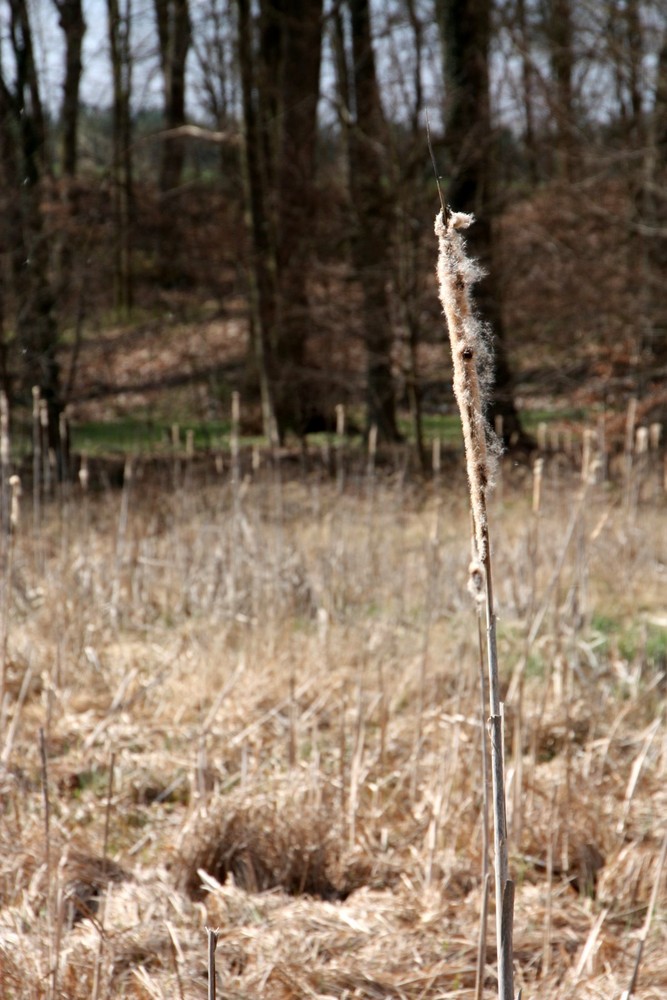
(260, 713)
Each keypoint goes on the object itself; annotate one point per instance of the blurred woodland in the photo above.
(260, 170)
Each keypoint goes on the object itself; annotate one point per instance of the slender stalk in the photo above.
(647, 922)
(472, 364)
(47, 858)
(481, 950)
(212, 945)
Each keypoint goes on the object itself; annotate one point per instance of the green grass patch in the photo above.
(140, 436)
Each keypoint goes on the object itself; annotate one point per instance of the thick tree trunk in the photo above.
(373, 237)
(121, 67)
(261, 271)
(295, 394)
(70, 15)
(174, 35)
(465, 27)
(280, 87)
(560, 33)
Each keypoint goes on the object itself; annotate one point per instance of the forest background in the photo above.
(237, 196)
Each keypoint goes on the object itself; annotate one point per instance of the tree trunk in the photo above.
(261, 273)
(27, 244)
(527, 86)
(174, 35)
(560, 34)
(464, 27)
(296, 398)
(368, 149)
(70, 16)
(119, 23)
(652, 228)
(280, 87)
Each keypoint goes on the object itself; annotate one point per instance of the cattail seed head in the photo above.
(471, 359)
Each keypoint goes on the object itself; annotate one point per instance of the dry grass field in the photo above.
(251, 703)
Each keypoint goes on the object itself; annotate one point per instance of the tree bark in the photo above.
(261, 272)
(70, 16)
(174, 36)
(560, 34)
(368, 147)
(119, 22)
(297, 400)
(280, 86)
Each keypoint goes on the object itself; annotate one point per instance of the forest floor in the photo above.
(249, 700)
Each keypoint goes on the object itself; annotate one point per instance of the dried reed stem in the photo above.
(472, 363)
(212, 945)
(483, 923)
(627, 994)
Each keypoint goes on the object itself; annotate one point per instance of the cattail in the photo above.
(471, 359)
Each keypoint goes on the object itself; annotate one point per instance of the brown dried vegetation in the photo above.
(285, 672)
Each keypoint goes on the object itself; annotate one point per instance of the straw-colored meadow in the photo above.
(249, 700)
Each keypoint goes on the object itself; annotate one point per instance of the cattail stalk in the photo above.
(472, 363)
(212, 945)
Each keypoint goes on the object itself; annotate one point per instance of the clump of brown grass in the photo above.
(268, 844)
